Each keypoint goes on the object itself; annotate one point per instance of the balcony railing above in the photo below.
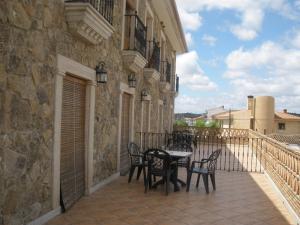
(104, 7)
(153, 55)
(135, 34)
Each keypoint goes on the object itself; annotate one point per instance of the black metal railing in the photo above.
(165, 71)
(104, 7)
(153, 55)
(177, 84)
(237, 153)
(136, 34)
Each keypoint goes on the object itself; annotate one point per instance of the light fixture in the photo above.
(101, 73)
(144, 94)
(131, 80)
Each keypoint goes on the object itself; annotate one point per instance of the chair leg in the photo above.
(167, 183)
(198, 178)
(139, 172)
(188, 181)
(205, 181)
(144, 174)
(147, 180)
(213, 180)
(132, 168)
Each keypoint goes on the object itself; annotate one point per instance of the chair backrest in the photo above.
(212, 160)
(157, 158)
(133, 152)
(182, 138)
(184, 147)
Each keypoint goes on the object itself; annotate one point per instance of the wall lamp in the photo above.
(144, 94)
(101, 73)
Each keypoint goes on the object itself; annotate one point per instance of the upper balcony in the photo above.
(151, 72)
(165, 78)
(177, 86)
(91, 20)
(135, 44)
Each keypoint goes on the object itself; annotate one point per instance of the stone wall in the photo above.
(32, 33)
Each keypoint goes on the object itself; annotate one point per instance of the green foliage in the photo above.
(208, 124)
(181, 123)
(213, 124)
(200, 123)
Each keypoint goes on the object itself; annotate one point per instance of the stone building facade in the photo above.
(49, 49)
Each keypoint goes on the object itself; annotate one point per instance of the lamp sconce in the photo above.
(144, 95)
(131, 80)
(101, 73)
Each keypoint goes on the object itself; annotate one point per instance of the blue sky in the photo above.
(236, 49)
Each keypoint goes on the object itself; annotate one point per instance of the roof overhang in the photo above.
(168, 14)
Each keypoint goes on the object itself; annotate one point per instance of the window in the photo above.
(281, 126)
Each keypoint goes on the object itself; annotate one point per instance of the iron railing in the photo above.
(237, 153)
(177, 84)
(165, 71)
(136, 34)
(104, 7)
(153, 55)
(242, 151)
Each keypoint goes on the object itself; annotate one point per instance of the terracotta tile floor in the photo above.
(240, 199)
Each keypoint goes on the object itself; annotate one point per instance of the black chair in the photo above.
(160, 164)
(205, 167)
(136, 160)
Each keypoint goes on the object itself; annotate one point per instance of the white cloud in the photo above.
(190, 20)
(185, 103)
(208, 39)
(251, 13)
(296, 39)
(189, 39)
(269, 55)
(191, 74)
(269, 69)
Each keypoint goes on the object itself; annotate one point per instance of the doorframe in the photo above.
(124, 88)
(68, 66)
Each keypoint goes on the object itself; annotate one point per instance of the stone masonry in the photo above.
(32, 33)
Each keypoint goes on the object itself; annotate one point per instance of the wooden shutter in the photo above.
(124, 160)
(72, 163)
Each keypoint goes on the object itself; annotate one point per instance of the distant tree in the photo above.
(200, 123)
(213, 124)
(181, 123)
(208, 124)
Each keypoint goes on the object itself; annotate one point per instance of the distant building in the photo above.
(260, 116)
(214, 111)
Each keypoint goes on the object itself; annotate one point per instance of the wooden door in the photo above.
(125, 134)
(72, 163)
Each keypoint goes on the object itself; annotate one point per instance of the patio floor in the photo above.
(240, 199)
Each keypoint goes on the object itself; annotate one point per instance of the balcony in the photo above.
(177, 86)
(244, 194)
(90, 20)
(165, 78)
(134, 54)
(151, 72)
